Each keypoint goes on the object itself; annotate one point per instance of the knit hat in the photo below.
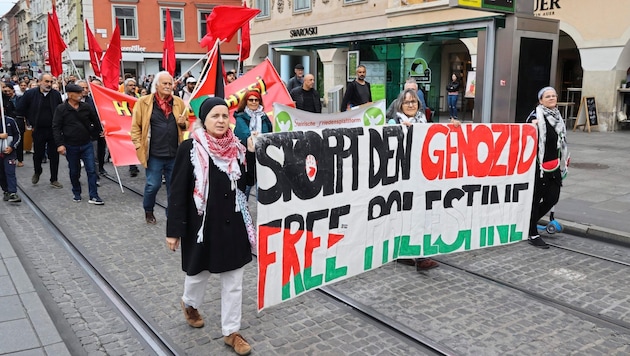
(543, 90)
(255, 93)
(208, 104)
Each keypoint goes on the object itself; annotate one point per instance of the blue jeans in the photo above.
(452, 105)
(155, 167)
(85, 153)
(8, 181)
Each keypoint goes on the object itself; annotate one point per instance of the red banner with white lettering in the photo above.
(114, 110)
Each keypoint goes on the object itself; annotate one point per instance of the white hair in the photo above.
(156, 78)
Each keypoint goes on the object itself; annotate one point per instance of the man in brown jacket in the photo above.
(158, 124)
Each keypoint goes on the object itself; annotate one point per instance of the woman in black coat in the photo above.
(207, 214)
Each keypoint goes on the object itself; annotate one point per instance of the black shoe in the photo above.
(537, 241)
(6, 196)
(133, 171)
(102, 172)
(14, 198)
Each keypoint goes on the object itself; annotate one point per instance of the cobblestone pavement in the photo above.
(459, 310)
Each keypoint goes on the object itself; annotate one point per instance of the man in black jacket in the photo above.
(75, 125)
(38, 105)
(358, 91)
(306, 97)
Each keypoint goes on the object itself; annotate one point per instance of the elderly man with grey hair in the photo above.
(158, 124)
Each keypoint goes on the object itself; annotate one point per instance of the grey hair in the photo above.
(81, 81)
(129, 80)
(156, 78)
(41, 76)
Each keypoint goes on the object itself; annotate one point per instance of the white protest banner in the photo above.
(335, 203)
(291, 119)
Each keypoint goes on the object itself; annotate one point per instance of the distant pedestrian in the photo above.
(358, 91)
(230, 76)
(38, 105)
(207, 214)
(75, 126)
(298, 79)
(306, 97)
(552, 159)
(452, 90)
(130, 89)
(158, 124)
(9, 141)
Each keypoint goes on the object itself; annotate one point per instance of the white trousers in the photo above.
(231, 296)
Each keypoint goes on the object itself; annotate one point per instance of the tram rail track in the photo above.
(153, 338)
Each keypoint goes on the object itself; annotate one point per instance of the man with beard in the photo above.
(38, 105)
(158, 124)
(358, 91)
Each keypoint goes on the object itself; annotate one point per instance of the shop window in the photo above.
(263, 6)
(177, 20)
(126, 16)
(301, 5)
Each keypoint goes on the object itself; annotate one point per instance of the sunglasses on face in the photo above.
(253, 100)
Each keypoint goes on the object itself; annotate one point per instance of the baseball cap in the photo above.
(191, 80)
(299, 66)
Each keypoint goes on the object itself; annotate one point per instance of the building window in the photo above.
(203, 14)
(177, 19)
(301, 5)
(348, 2)
(126, 16)
(263, 6)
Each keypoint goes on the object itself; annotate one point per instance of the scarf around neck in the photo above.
(165, 104)
(553, 117)
(226, 153)
(418, 118)
(255, 121)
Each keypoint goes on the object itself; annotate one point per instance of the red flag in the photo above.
(56, 45)
(96, 52)
(211, 82)
(246, 43)
(114, 110)
(168, 56)
(110, 66)
(263, 77)
(224, 21)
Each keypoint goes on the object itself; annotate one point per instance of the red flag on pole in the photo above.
(56, 45)
(114, 110)
(224, 21)
(96, 52)
(110, 66)
(211, 82)
(168, 54)
(246, 43)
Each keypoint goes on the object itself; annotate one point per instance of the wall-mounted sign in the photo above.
(303, 32)
(487, 5)
(134, 48)
(420, 71)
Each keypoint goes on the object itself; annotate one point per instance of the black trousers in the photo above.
(100, 152)
(546, 195)
(20, 147)
(43, 136)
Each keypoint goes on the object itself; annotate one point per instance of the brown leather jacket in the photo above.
(141, 124)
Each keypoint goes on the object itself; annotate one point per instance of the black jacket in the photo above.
(29, 104)
(297, 95)
(14, 133)
(352, 95)
(225, 246)
(75, 127)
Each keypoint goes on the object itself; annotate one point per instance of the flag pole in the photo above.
(193, 66)
(74, 66)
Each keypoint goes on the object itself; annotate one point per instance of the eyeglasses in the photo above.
(410, 103)
(253, 100)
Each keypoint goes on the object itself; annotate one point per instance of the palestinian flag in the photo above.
(211, 82)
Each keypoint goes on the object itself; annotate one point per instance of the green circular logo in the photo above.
(283, 122)
(373, 117)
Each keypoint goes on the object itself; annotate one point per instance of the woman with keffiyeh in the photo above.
(208, 215)
(552, 159)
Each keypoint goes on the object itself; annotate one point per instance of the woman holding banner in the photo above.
(407, 110)
(251, 119)
(552, 159)
(208, 215)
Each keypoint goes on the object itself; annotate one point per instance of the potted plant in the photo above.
(623, 83)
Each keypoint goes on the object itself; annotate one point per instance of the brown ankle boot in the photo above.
(148, 215)
(239, 344)
(192, 316)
